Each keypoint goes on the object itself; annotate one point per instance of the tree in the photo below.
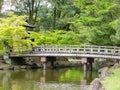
(29, 7)
(93, 22)
(116, 37)
(63, 13)
(56, 37)
(55, 14)
(13, 36)
(1, 3)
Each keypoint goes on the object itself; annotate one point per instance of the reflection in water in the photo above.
(43, 79)
(87, 78)
(76, 75)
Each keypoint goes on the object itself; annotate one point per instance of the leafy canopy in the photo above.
(94, 21)
(13, 34)
(56, 37)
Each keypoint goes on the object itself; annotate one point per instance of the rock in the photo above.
(16, 67)
(23, 67)
(103, 72)
(6, 67)
(100, 63)
(110, 62)
(11, 67)
(106, 71)
(1, 68)
(95, 84)
(34, 66)
(28, 67)
(102, 88)
(117, 65)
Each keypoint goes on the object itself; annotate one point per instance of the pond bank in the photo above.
(96, 84)
(108, 79)
(112, 80)
(35, 63)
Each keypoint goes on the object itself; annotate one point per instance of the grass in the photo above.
(113, 81)
(1, 88)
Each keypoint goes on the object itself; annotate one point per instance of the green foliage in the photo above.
(94, 20)
(72, 22)
(1, 88)
(29, 7)
(58, 15)
(112, 82)
(12, 33)
(56, 37)
(116, 37)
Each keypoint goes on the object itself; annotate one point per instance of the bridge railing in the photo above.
(77, 49)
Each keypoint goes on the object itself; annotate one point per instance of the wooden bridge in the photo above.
(87, 51)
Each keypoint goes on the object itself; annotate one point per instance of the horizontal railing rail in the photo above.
(77, 49)
(93, 51)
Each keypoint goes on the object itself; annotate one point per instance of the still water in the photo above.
(57, 79)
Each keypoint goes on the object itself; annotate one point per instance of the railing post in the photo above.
(99, 49)
(70, 48)
(84, 49)
(106, 51)
(56, 49)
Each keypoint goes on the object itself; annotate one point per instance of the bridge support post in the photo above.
(51, 60)
(90, 61)
(84, 62)
(52, 64)
(85, 70)
(43, 61)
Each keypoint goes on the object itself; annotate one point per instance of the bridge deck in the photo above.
(74, 51)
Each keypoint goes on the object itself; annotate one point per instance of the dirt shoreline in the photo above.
(104, 72)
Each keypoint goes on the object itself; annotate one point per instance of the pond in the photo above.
(57, 79)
